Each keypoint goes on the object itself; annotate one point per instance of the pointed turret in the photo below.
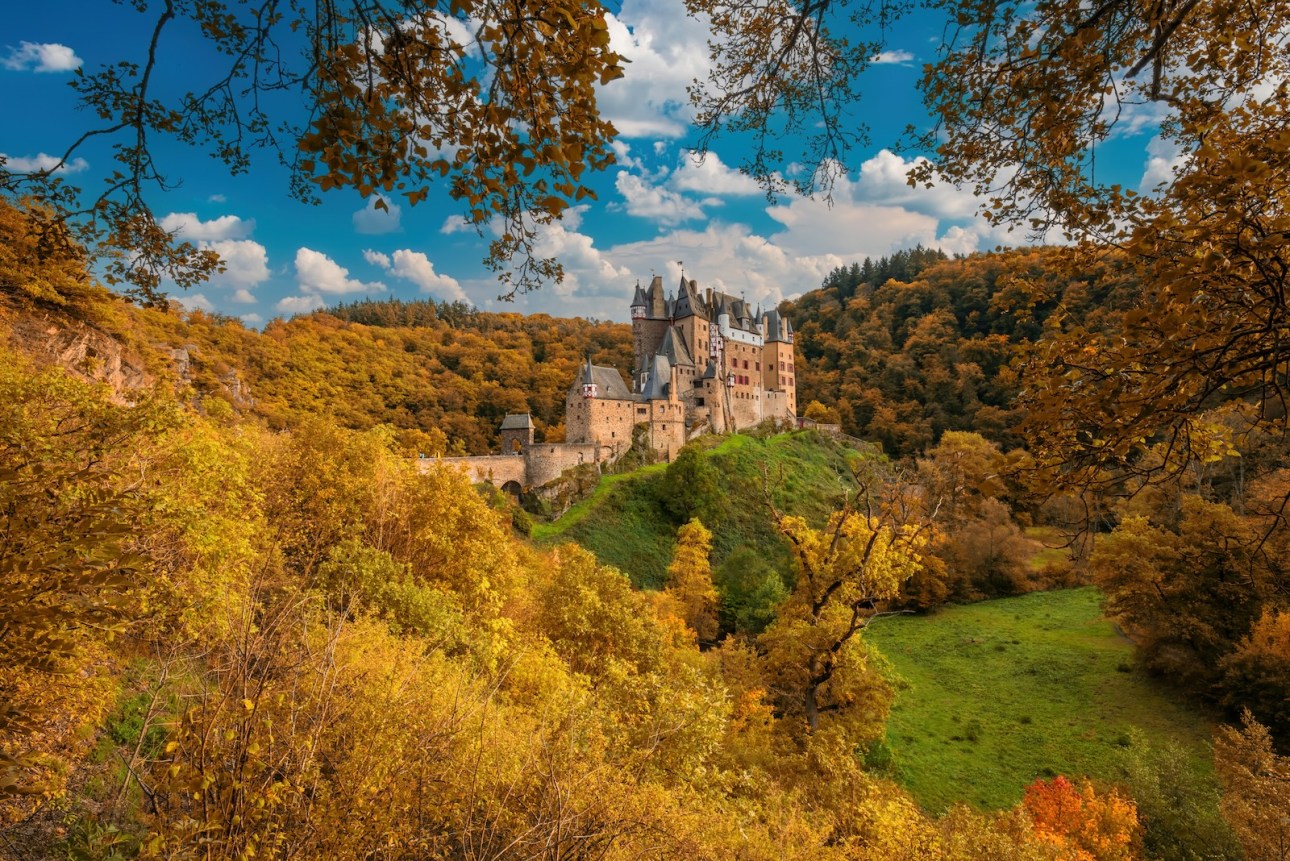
(589, 379)
(639, 306)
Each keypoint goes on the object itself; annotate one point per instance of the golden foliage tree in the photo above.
(689, 580)
(816, 664)
(1256, 790)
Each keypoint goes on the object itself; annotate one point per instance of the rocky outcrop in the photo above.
(82, 349)
(95, 355)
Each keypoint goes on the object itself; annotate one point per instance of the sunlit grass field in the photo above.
(993, 695)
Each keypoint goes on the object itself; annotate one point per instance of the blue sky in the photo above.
(656, 207)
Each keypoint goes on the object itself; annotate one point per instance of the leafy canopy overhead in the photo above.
(496, 100)
(1023, 94)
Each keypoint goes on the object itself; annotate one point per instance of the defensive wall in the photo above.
(538, 464)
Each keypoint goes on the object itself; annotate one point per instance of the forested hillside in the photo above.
(914, 345)
(442, 376)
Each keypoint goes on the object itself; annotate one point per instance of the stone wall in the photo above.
(496, 469)
(547, 460)
(600, 420)
(538, 464)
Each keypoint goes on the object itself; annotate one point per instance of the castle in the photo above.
(704, 362)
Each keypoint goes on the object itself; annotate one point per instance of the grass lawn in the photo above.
(624, 524)
(992, 695)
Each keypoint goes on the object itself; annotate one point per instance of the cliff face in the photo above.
(82, 349)
(90, 352)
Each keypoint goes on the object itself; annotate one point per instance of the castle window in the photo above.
(759, 366)
(781, 366)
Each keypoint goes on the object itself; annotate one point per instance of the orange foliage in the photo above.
(1090, 826)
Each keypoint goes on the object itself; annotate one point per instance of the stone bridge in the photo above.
(536, 465)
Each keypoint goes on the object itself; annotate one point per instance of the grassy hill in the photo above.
(626, 522)
(995, 694)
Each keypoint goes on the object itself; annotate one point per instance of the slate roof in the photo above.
(674, 349)
(609, 383)
(659, 379)
(772, 326)
(688, 302)
(517, 421)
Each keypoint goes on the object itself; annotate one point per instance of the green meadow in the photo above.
(992, 695)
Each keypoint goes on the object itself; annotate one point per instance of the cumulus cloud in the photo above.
(455, 224)
(298, 304)
(667, 50)
(712, 176)
(646, 200)
(376, 258)
(192, 228)
(42, 57)
(246, 297)
(902, 58)
(252, 319)
(372, 221)
(623, 153)
(195, 302)
(246, 262)
(42, 162)
(1163, 158)
(416, 267)
(318, 273)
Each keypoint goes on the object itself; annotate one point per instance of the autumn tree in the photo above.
(1023, 96)
(689, 580)
(1256, 790)
(1096, 826)
(818, 666)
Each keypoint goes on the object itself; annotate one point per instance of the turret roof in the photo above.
(607, 380)
(517, 421)
(673, 347)
(659, 379)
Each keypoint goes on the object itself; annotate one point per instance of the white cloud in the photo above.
(216, 198)
(1163, 157)
(42, 162)
(623, 153)
(246, 297)
(647, 200)
(376, 258)
(712, 176)
(318, 273)
(455, 224)
(370, 220)
(192, 228)
(414, 266)
(298, 304)
(42, 57)
(246, 262)
(902, 58)
(667, 50)
(252, 319)
(883, 179)
(195, 302)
